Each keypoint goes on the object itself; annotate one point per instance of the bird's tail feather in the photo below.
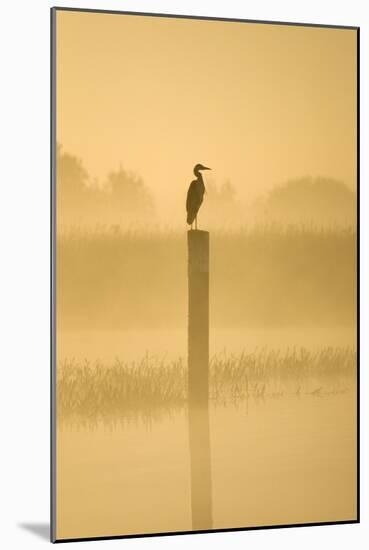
(190, 218)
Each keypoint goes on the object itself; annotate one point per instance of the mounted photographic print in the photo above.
(204, 274)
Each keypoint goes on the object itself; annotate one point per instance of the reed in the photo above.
(152, 387)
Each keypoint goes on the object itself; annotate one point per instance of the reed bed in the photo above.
(152, 386)
(265, 275)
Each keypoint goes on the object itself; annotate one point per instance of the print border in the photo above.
(53, 13)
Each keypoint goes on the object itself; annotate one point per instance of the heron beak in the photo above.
(205, 168)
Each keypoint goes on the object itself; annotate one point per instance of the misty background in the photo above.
(270, 108)
(288, 258)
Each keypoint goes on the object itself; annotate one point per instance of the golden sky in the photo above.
(258, 103)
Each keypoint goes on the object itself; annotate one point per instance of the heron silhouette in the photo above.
(195, 195)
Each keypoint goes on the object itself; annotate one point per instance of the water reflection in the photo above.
(277, 460)
(200, 464)
(274, 444)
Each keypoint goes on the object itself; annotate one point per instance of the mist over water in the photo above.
(105, 346)
(281, 299)
(282, 379)
(289, 460)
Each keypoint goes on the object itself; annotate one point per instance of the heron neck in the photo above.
(199, 176)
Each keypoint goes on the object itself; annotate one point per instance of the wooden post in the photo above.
(198, 316)
(198, 378)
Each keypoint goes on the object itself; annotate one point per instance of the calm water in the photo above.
(278, 461)
(132, 345)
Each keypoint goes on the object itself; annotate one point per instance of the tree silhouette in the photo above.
(129, 193)
(71, 187)
(123, 198)
(71, 176)
(320, 201)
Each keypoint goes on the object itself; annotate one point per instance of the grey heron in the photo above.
(195, 195)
